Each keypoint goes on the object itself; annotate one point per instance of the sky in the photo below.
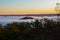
(28, 6)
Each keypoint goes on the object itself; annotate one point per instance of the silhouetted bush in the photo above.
(31, 31)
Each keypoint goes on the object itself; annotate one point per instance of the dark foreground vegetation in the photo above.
(31, 31)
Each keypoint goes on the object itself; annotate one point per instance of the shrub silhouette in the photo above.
(24, 31)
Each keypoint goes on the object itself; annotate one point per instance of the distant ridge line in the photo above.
(34, 15)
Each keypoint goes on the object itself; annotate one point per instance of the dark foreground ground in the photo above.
(31, 31)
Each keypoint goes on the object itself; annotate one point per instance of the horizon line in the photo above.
(28, 14)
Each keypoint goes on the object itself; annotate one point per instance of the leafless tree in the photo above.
(57, 8)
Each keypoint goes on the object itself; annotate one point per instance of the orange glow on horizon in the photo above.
(28, 12)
